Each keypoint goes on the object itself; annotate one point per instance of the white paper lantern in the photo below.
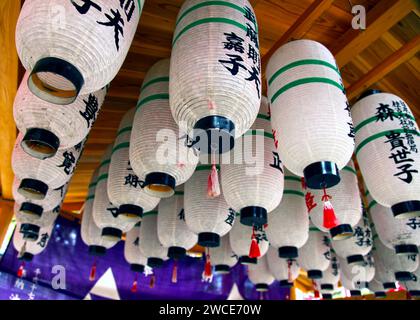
(157, 149)
(259, 274)
(315, 255)
(89, 231)
(132, 253)
(31, 224)
(222, 257)
(52, 200)
(330, 277)
(377, 288)
(286, 271)
(39, 177)
(215, 78)
(210, 218)
(105, 214)
(28, 249)
(402, 235)
(254, 189)
(47, 127)
(387, 141)
(360, 274)
(402, 265)
(241, 237)
(310, 114)
(383, 273)
(413, 285)
(288, 224)
(74, 47)
(172, 229)
(354, 249)
(345, 197)
(149, 244)
(124, 186)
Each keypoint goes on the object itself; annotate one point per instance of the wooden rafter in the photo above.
(380, 19)
(300, 27)
(393, 61)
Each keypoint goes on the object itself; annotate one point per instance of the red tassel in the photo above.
(408, 295)
(92, 274)
(330, 220)
(207, 266)
(134, 286)
(302, 180)
(213, 185)
(152, 281)
(175, 272)
(20, 270)
(254, 250)
(316, 292)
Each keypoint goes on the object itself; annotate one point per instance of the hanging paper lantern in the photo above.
(107, 216)
(80, 50)
(358, 245)
(377, 288)
(89, 231)
(156, 150)
(347, 205)
(331, 276)
(172, 229)
(52, 200)
(387, 151)
(215, 91)
(30, 222)
(310, 113)
(149, 244)
(254, 189)
(383, 273)
(401, 265)
(315, 255)
(42, 176)
(360, 274)
(124, 186)
(260, 275)
(413, 285)
(288, 224)
(286, 271)
(28, 249)
(132, 252)
(210, 218)
(47, 127)
(402, 234)
(248, 243)
(222, 257)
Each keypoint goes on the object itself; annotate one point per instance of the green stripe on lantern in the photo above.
(350, 169)
(371, 205)
(179, 193)
(305, 81)
(259, 133)
(150, 213)
(302, 63)
(122, 145)
(291, 178)
(374, 119)
(103, 163)
(89, 197)
(263, 116)
(126, 129)
(314, 229)
(294, 192)
(206, 167)
(103, 177)
(159, 96)
(153, 81)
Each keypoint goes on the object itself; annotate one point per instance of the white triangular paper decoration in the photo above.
(106, 286)
(88, 297)
(234, 293)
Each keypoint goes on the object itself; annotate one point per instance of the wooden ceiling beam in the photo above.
(300, 27)
(379, 20)
(405, 53)
(9, 66)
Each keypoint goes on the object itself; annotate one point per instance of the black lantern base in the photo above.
(222, 269)
(314, 274)
(48, 92)
(261, 287)
(414, 293)
(176, 253)
(327, 296)
(327, 286)
(406, 209)
(27, 257)
(368, 92)
(159, 184)
(341, 232)
(30, 231)
(209, 239)
(406, 249)
(97, 251)
(253, 216)
(285, 284)
(154, 262)
(355, 293)
(389, 285)
(355, 259)
(403, 276)
(112, 233)
(288, 252)
(137, 268)
(321, 174)
(33, 189)
(247, 260)
(130, 210)
(214, 134)
(380, 294)
(31, 208)
(40, 143)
